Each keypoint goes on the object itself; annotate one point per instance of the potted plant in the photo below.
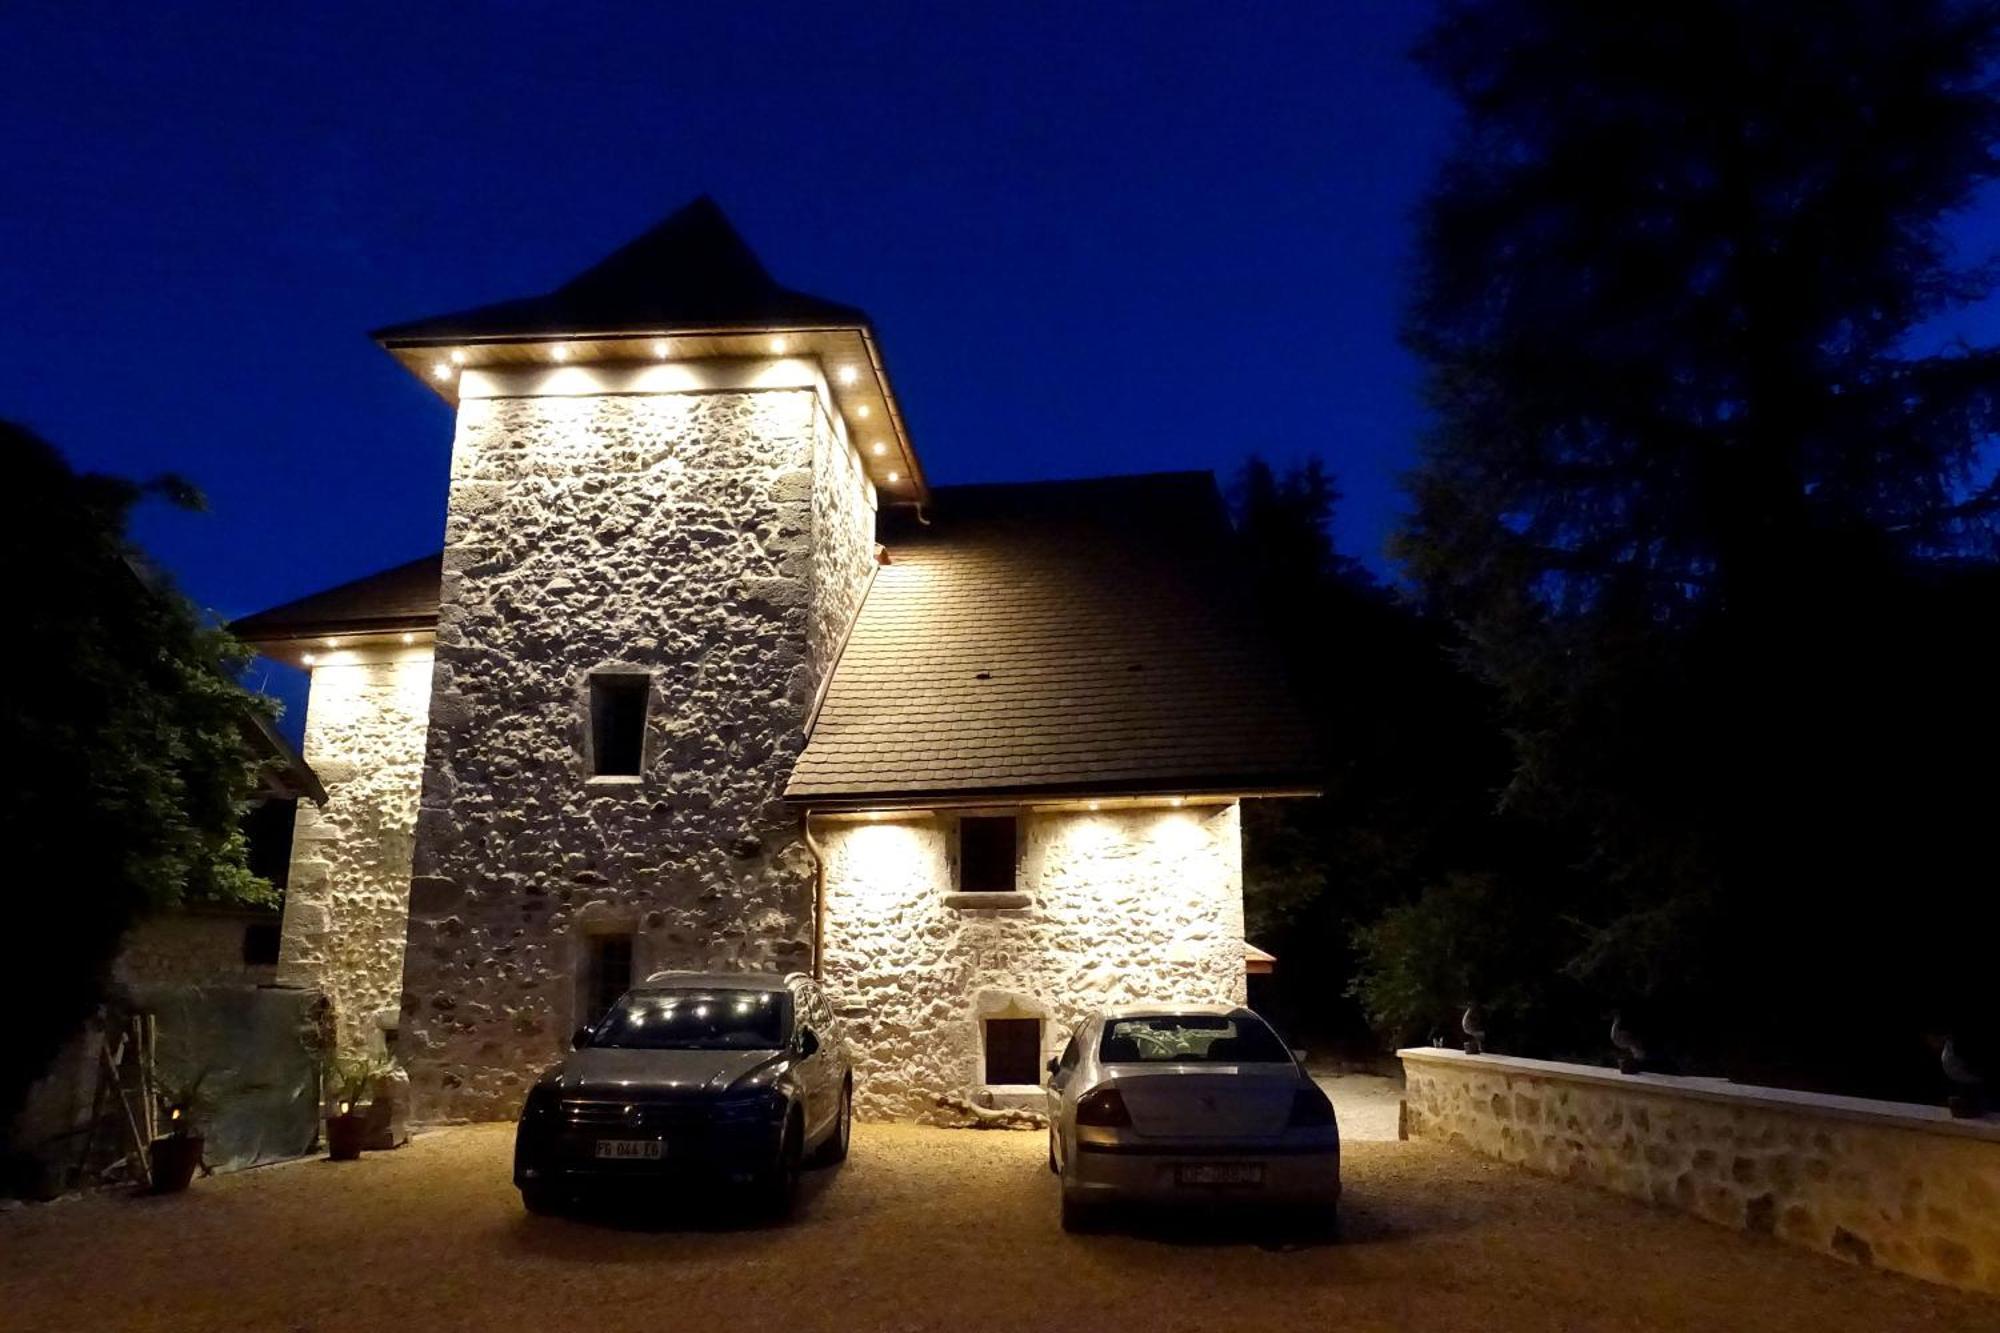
(350, 1081)
(176, 1155)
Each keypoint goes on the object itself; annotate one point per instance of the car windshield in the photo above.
(695, 1020)
(1190, 1039)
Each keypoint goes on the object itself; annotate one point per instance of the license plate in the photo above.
(1233, 1173)
(630, 1150)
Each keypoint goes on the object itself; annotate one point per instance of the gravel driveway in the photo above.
(921, 1229)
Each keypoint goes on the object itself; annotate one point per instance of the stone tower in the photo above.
(661, 522)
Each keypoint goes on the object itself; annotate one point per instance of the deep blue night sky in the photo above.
(1093, 239)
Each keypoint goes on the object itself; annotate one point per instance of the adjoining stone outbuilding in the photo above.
(708, 675)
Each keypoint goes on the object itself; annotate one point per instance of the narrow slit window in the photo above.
(987, 847)
(1013, 1051)
(618, 723)
(610, 972)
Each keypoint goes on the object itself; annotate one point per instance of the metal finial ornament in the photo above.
(1631, 1051)
(1473, 1023)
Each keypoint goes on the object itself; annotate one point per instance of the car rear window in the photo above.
(1190, 1039)
(690, 1020)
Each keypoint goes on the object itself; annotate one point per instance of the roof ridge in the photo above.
(692, 269)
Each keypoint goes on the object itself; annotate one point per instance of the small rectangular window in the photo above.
(610, 972)
(986, 851)
(618, 723)
(260, 943)
(1013, 1051)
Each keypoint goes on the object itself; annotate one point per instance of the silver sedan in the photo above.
(1187, 1103)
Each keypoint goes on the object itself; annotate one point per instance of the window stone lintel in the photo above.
(987, 901)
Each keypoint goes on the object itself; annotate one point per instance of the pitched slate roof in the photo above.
(1066, 638)
(405, 597)
(1072, 638)
(692, 271)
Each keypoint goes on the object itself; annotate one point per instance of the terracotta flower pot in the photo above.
(344, 1134)
(176, 1157)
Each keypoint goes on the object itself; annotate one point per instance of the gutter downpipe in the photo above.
(819, 892)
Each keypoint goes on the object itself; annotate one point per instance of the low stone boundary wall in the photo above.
(1885, 1183)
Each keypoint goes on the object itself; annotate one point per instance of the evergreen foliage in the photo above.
(126, 770)
(1414, 763)
(1713, 511)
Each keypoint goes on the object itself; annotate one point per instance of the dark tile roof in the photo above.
(692, 271)
(1071, 637)
(405, 597)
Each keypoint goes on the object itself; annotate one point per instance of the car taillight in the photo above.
(1104, 1108)
(1310, 1110)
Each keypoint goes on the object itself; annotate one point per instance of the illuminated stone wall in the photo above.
(191, 948)
(1875, 1183)
(713, 539)
(347, 900)
(843, 518)
(1117, 907)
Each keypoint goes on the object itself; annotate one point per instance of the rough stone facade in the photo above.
(192, 948)
(843, 517)
(1900, 1187)
(347, 899)
(707, 539)
(1115, 907)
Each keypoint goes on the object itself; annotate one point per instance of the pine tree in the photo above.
(1713, 510)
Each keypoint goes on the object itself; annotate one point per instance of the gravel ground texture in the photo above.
(1368, 1105)
(920, 1229)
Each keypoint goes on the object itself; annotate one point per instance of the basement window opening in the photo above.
(618, 723)
(1013, 1051)
(988, 850)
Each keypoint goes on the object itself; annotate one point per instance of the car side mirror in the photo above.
(1055, 1066)
(808, 1042)
(580, 1038)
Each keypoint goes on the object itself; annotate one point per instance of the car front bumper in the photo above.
(690, 1150)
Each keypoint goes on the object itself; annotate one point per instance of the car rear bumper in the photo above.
(1202, 1175)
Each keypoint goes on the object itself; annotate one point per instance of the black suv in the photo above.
(736, 1078)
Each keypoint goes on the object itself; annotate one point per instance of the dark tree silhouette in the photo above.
(1414, 762)
(125, 766)
(1714, 510)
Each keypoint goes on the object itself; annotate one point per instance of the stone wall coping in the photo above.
(1862, 1110)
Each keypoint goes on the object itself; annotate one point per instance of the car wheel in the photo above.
(1078, 1217)
(780, 1186)
(835, 1148)
(541, 1200)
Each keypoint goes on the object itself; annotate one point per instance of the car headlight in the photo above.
(765, 1103)
(541, 1105)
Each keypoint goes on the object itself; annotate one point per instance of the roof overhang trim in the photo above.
(832, 345)
(1151, 794)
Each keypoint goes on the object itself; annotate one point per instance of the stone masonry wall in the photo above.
(347, 899)
(1900, 1187)
(843, 516)
(191, 948)
(1120, 906)
(672, 533)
